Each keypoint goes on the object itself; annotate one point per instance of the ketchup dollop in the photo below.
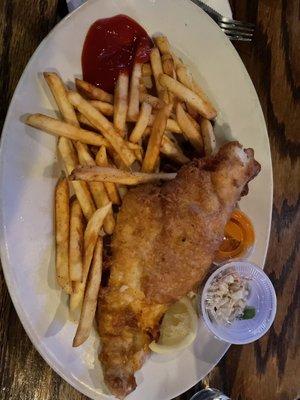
(113, 45)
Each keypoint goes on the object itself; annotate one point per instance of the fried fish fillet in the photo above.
(164, 244)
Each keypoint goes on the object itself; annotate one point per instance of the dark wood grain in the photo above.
(268, 369)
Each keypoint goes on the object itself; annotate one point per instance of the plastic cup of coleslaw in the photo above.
(238, 302)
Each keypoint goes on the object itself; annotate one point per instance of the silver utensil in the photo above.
(235, 30)
(209, 394)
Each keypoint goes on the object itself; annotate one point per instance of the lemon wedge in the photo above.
(178, 328)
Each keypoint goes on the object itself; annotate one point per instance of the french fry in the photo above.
(147, 82)
(197, 89)
(93, 92)
(134, 93)
(163, 44)
(153, 147)
(170, 148)
(172, 125)
(139, 153)
(188, 96)
(91, 235)
(157, 69)
(76, 241)
(155, 102)
(168, 65)
(111, 189)
(177, 60)
(68, 154)
(188, 128)
(85, 123)
(106, 108)
(141, 123)
(209, 139)
(146, 69)
(97, 188)
(122, 191)
(90, 299)
(62, 233)
(81, 189)
(143, 89)
(121, 103)
(133, 146)
(101, 174)
(59, 128)
(60, 94)
(194, 122)
(184, 76)
(102, 124)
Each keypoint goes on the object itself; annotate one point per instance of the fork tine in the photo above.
(239, 39)
(234, 36)
(235, 27)
(237, 23)
(234, 32)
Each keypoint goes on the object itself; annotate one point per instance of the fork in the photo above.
(235, 30)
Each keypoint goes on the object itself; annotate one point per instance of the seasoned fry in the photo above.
(163, 44)
(197, 89)
(155, 102)
(209, 139)
(89, 304)
(101, 174)
(62, 232)
(76, 241)
(172, 125)
(146, 69)
(142, 123)
(122, 191)
(106, 108)
(147, 82)
(102, 161)
(170, 148)
(153, 148)
(85, 122)
(184, 76)
(188, 96)
(177, 60)
(121, 103)
(168, 65)
(81, 189)
(59, 128)
(157, 71)
(139, 153)
(188, 128)
(194, 122)
(97, 188)
(93, 92)
(59, 93)
(134, 94)
(104, 125)
(91, 235)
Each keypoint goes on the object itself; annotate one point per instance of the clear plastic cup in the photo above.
(262, 297)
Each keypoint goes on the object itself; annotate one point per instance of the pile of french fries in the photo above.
(108, 142)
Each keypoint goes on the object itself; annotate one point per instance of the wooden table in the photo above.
(268, 369)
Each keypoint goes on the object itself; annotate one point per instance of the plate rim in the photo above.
(38, 345)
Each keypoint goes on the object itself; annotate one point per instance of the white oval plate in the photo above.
(29, 171)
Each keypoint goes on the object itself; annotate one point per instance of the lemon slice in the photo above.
(178, 328)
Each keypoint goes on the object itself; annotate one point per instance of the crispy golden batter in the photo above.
(164, 243)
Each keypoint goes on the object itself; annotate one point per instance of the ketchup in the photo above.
(113, 45)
